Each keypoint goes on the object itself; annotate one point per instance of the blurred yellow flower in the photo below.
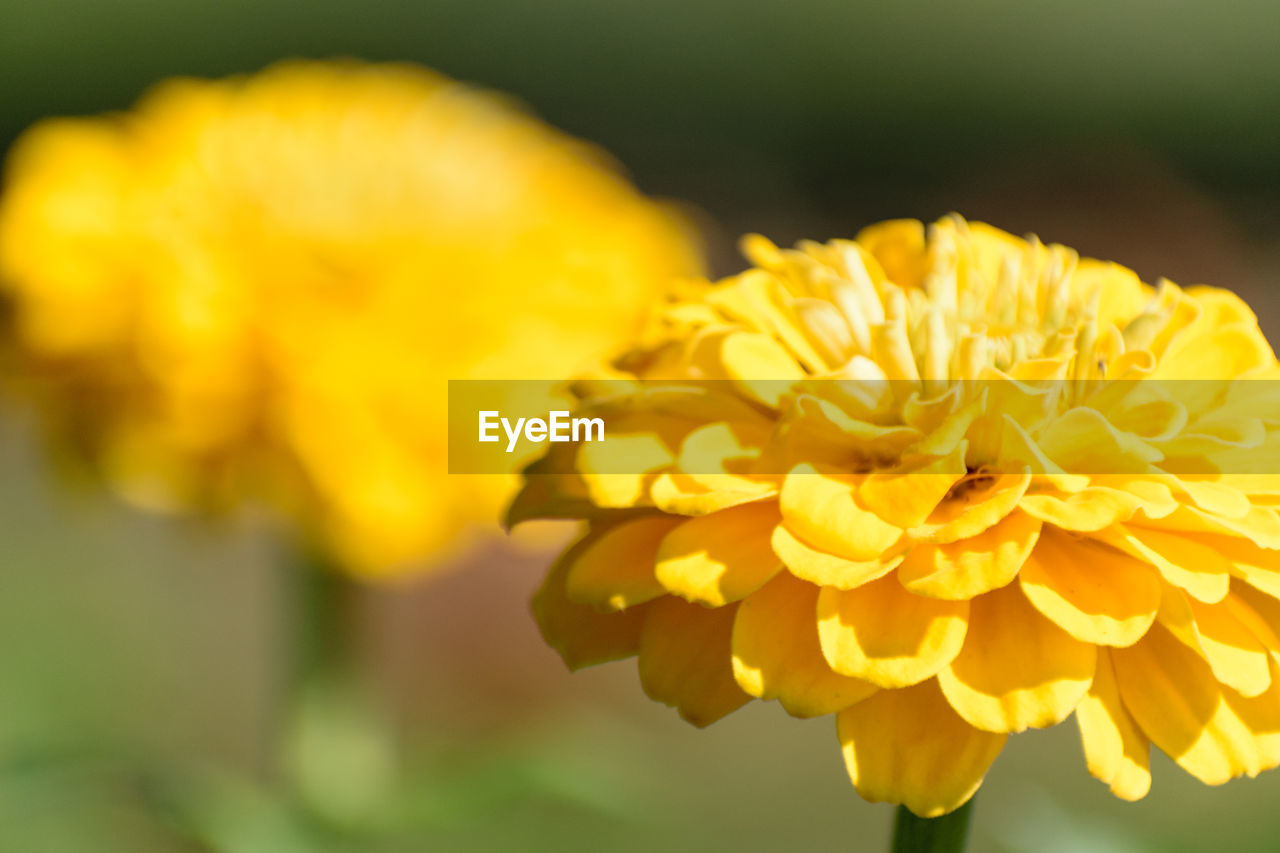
(907, 481)
(256, 288)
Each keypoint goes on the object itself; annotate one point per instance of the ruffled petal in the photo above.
(823, 511)
(970, 567)
(1088, 510)
(1095, 593)
(1235, 654)
(973, 510)
(579, 632)
(826, 569)
(1115, 750)
(1017, 669)
(907, 500)
(1173, 696)
(776, 654)
(881, 633)
(686, 659)
(613, 570)
(1181, 559)
(908, 746)
(722, 557)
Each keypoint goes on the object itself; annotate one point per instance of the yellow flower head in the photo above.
(947, 485)
(258, 287)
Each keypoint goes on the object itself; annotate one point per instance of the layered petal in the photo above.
(722, 557)
(1180, 706)
(613, 569)
(969, 567)
(908, 746)
(776, 654)
(823, 569)
(583, 635)
(1017, 669)
(881, 633)
(1115, 750)
(823, 511)
(1092, 591)
(685, 659)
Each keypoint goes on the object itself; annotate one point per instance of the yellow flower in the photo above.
(257, 288)
(945, 485)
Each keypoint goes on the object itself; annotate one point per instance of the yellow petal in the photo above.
(617, 471)
(898, 247)
(1265, 608)
(906, 500)
(1261, 715)
(1235, 654)
(581, 634)
(721, 557)
(973, 509)
(881, 633)
(1115, 750)
(1261, 525)
(1083, 441)
(613, 570)
(1260, 567)
(1224, 352)
(1090, 509)
(909, 747)
(1182, 560)
(684, 494)
(1173, 696)
(686, 659)
(967, 568)
(776, 653)
(822, 511)
(762, 367)
(1017, 669)
(1095, 593)
(825, 569)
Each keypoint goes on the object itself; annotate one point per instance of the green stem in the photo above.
(338, 758)
(946, 834)
(321, 653)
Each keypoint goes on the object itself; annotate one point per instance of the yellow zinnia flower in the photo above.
(946, 485)
(258, 287)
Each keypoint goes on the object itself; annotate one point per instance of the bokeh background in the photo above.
(141, 663)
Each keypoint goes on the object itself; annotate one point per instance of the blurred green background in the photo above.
(141, 670)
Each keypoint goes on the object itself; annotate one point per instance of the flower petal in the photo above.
(1261, 714)
(827, 569)
(1017, 669)
(908, 746)
(822, 511)
(1234, 653)
(1173, 696)
(1181, 559)
(906, 500)
(974, 510)
(1115, 750)
(776, 654)
(685, 659)
(881, 633)
(721, 557)
(685, 494)
(969, 567)
(1088, 510)
(762, 366)
(614, 569)
(1095, 593)
(579, 632)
